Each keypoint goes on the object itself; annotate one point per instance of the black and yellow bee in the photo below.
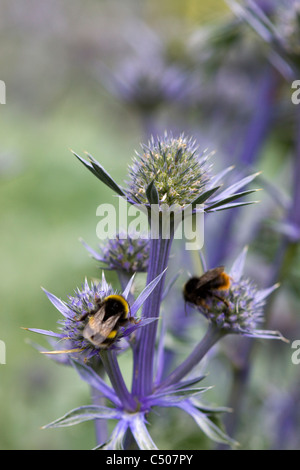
(104, 322)
(198, 290)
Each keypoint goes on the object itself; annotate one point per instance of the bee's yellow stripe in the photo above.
(112, 334)
(121, 299)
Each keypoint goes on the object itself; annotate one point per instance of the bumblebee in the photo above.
(200, 289)
(104, 322)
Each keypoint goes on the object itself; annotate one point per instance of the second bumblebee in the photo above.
(198, 290)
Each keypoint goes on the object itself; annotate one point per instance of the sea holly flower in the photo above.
(245, 303)
(123, 253)
(237, 311)
(128, 408)
(84, 302)
(175, 167)
(172, 171)
(144, 85)
(148, 82)
(241, 309)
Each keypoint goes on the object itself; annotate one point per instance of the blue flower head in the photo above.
(82, 306)
(124, 253)
(240, 308)
(172, 171)
(175, 165)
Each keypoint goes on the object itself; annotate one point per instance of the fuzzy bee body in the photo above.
(198, 290)
(104, 322)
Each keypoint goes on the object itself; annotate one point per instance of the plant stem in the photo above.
(145, 348)
(100, 424)
(112, 369)
(212, 335)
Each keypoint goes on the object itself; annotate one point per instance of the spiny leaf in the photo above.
(81, 414)
(231, 190)
(231, 206)
(97, 169)
(231, 198)
(203, 197)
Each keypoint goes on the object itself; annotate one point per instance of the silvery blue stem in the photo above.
(112, 369)
(212, 335)
(241, 370)
(98, 399)
(145, 348)
(100, 424)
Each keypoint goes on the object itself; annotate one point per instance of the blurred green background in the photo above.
(55, 102)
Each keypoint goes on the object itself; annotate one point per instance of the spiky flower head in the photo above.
(81, 306)
(123, 253)
(85, 301)
(243, 309)
(176, 168)
(171, 173)
(240, 308)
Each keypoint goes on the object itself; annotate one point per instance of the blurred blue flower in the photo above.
(280, 31)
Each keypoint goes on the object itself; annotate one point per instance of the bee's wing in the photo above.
(98, 330)
(106, 327)
(209, 276)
